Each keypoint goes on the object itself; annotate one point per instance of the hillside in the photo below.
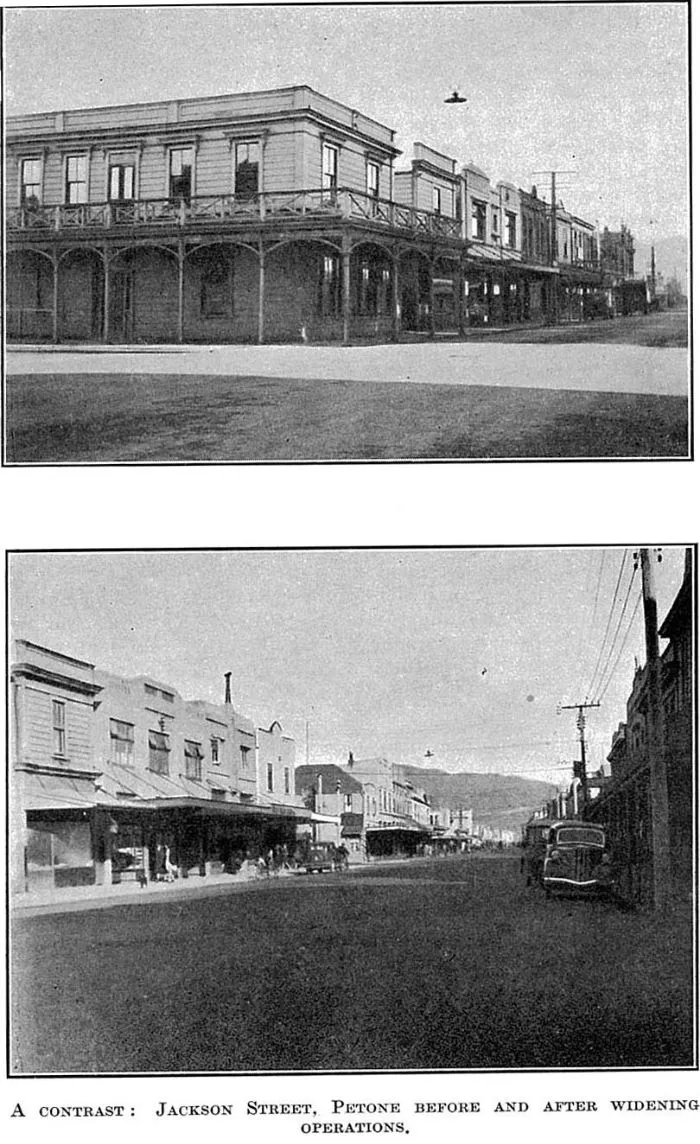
(502, 801)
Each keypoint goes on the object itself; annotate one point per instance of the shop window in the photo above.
(385, 291)
(193, 760)
(59, 727)
(329, 302)
(30, 189)
(375, 289)
(76, 179)
(246, 174)
(158, 752)
(216, 298)
(122, 742)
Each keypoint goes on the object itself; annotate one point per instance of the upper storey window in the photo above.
(330, 167)
(181, 160)
(373, 180)
(510, 229)
(247, 170)
(30, 189)
(76, 179)
(478, 220)
(121, 181)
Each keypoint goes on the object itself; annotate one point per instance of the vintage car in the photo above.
(319, 857)
(576, 860)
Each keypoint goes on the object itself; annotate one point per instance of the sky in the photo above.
(465, 653)
(596, 89)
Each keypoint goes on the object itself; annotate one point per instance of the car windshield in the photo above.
(580, 834)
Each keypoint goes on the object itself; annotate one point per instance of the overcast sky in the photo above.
(597, 89)
(465, 653)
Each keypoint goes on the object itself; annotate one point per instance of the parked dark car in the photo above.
(320, 856)
(574, 861)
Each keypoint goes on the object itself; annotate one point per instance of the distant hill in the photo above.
(501, 801)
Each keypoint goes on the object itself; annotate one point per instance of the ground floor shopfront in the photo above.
(106, 845)
(624, 810)
(333, 288)
(407, 840)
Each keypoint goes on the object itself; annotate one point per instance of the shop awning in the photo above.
(397, 827)
(59, 792)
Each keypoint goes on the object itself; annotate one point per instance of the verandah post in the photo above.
(397, 304)
(261, 293)
(345, 262)
(105, 298)
(54, 301)
(180, 290)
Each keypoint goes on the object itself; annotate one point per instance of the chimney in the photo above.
(351, 759)
(227, 696)
(534, 191)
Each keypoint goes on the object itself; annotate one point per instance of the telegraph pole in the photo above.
(580, 768)
(554, 251)
(657, 755)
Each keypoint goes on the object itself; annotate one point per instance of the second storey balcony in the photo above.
(293, 209)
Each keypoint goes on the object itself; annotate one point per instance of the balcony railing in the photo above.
(200, 210)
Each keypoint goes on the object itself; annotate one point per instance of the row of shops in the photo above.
(298, 291)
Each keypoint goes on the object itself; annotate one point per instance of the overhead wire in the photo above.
(607, 626)
(617, 630)
(622, 646)
(591, 623)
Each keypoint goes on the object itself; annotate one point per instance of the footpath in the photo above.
(77, 898)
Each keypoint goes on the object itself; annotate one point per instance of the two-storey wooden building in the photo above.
(114, 779)
(267, 216)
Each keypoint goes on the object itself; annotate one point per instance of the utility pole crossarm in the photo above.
(581, 724)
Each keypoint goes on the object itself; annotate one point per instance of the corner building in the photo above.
(273, 216)
(248, 217)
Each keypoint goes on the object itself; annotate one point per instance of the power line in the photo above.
(607, 626)
(622, 646)
(591, 624)
(617, 629)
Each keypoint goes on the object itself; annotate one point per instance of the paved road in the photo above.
(448, 963)
(583, 368)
